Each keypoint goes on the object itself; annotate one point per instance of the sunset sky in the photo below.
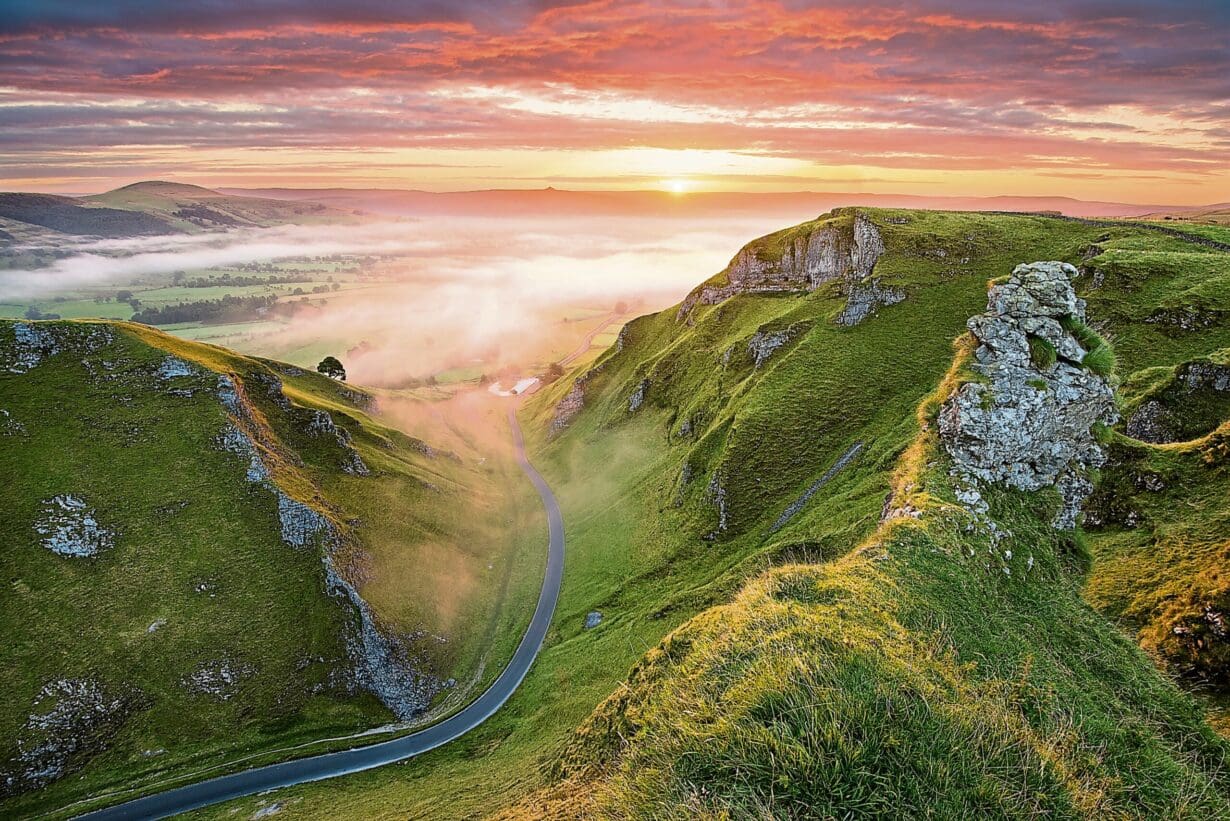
(1099, 100)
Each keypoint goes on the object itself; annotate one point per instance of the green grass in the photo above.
(70, 309)
(1042, 353)
(427, 539)
(909, 679)
(921, 676)
(1100, 359)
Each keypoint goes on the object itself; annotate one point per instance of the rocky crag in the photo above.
(842, 250)
(1027, 417)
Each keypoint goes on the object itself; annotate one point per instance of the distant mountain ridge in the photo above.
(68, 216)
(410, 202)
(156, 208)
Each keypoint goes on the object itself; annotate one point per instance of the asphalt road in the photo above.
(330, 765)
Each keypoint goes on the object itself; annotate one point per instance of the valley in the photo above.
(609, 411)
(758, 507)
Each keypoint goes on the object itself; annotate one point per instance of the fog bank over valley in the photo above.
(407, 300)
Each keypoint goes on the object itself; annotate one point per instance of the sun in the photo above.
(676, 186)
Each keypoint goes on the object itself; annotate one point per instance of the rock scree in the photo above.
(69, 527)
(73, 719)
(1023, 423)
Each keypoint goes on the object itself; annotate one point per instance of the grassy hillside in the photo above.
(180, 526)
(68, 215)
(913, 677)
(786, 699)
(647, 550)
(193, 208)
(150, 208)
(1160, 525)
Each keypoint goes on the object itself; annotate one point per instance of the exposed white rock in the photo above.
(638, 396)
(798, 504)
(572, 403)
(834, 252)
(864, 299)
(321, 424)
(229, 394)
(72, 718)
(33, 344)
(234, 440)
(301, 524)
(763, 344)
(218, 679)
(172, 367)
(1161, 418)
(268, 811)
(69, 527)
(383, 663)
(716, 491)
(1026, 426)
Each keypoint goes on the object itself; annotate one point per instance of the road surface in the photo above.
(330, 765)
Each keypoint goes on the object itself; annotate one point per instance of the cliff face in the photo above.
(843, 249)
(1028, 423)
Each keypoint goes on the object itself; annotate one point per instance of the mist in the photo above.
(450, 292)
(97, 262)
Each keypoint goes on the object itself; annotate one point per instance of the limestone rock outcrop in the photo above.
(1028, 424)
(836, 251)
(572, 403)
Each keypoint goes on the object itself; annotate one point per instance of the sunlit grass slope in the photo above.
(913, 677)
(198, 580)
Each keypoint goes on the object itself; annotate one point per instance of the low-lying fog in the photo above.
(459, 290)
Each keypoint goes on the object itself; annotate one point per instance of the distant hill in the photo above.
(1212, 215)
(68, 215)
(154, 208)
(193, 208)
(545, 201)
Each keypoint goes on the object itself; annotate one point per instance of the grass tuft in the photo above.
(1101, 360)
(1042, 353)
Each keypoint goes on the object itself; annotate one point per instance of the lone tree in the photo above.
(330, 367)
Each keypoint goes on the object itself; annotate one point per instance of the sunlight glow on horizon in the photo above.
(750, 95)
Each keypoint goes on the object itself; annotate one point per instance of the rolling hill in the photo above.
(193, 208)
(826, 551)
(67, 215)
(151, 209)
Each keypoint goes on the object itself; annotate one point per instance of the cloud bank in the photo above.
(476, 94)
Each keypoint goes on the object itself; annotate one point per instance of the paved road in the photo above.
(329, 765)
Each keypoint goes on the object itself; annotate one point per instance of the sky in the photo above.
(1126, 101)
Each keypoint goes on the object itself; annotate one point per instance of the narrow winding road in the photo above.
(356, 759)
